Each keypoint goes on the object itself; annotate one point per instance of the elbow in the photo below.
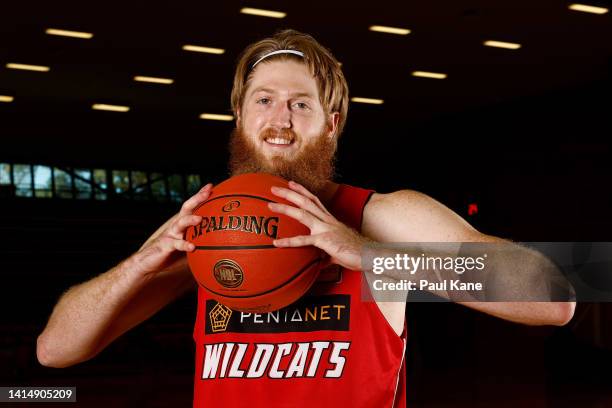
(47, 358)
(42, 353)
(563, 313)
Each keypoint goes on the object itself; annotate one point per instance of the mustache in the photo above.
(284, 133)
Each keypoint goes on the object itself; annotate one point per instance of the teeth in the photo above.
(278, 140)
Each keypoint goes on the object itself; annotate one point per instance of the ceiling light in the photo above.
(263, 13)
(214, 116)
(588, 9)
(26, 67)
(502, 44)
(390, 30)
(367, 100)
(6, 98)
(110, 108)
(153, 80)
(67, 33)
(432, 75)
(209, 50)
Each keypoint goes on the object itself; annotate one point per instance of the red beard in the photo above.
(313, 167)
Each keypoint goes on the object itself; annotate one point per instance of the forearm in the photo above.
(83, 314)
(519, 284)
(530, 313)
(91, 315)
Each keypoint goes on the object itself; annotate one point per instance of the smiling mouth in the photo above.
(278, 141)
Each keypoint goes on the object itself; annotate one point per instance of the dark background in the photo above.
(523, 134)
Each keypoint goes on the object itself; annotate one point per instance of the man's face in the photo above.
(282, 128)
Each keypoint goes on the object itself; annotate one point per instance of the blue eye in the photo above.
(263, 101)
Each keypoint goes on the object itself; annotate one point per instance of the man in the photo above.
(331, 348)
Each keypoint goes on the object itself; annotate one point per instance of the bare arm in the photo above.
(91, 315)
(409, 216)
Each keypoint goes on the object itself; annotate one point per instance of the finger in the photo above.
(170, 244)
(304, 191)
(299, 200)
(195, 200)
(184, 246)
(297, 241)
(298, 214)
(177, 229)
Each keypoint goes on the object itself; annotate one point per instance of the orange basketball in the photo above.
(235, 260)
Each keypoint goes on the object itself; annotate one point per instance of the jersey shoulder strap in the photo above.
(348, 203)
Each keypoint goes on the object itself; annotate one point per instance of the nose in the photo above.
(281, 116)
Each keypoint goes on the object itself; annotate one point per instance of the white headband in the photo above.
(301, 54)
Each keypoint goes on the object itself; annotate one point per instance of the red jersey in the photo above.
(329, 349)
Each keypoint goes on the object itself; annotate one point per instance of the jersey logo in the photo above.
(219, 318)
(322, 359)
(310, 313)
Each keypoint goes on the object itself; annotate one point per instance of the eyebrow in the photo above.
(295, 94)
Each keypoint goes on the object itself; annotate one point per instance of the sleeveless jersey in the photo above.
(329, 349)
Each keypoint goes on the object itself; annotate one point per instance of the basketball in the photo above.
(235, 260)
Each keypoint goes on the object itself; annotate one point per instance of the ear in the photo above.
(237, 117)
(332, 124)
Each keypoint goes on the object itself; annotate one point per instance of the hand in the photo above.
(341, 243)
(166, 246)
